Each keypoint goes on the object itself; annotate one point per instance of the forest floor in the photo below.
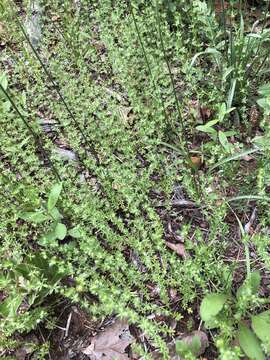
(134, 180)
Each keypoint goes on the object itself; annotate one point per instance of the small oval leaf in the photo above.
(211, 305)
(60, 231)
(255, 281)
(249, 343)
(75, 233)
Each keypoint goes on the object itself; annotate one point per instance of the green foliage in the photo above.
(91, 189)
(188, 351)
(229, 318)
(211, 305)
(249, 343)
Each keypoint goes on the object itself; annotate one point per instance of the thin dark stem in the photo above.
(260, 42)
(172, 82)
(31, 131)
(148, 64)
(224, 25)
(262, 63)
(56, 87)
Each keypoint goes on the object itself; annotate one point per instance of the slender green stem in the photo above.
(247, 255)
(31, 131)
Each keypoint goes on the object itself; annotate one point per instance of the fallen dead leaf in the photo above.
(219, 6)
(124, 113)
(111, 343)
(173, 294)
(178, 248)
(247, 158)
(196, 160)
(219, 202)
(55, 18)
(205, 113)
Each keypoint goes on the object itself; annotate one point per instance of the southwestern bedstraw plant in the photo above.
(131, 133)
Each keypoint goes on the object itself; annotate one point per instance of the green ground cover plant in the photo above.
(134, 149)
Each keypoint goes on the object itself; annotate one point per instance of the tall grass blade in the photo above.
(234, 157)
(231, 94)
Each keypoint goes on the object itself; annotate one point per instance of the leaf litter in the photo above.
(111, 344)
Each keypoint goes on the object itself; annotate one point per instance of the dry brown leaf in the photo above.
(196, 160)
(55, 18)
(178, 248)
(219, 6)
(205, 113)
(111, 343)
(247, 158)
(124, 113)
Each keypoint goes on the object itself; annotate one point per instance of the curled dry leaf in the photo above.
(205, 113)
(111, 343)
(219, 6)
(196, 160)
(178, 248)
(55, 18)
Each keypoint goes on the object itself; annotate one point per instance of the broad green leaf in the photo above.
(4, 281)
(264, 90)
(262, 142)
(34, 216)
(264, 103)
(75, 232)
(9, 307)
(223, 140)
(60, 231)
(211, 51)
(255, 281)
(250, 343)
(261, 326)
(208, 130)
(56, 214)
(227, 72)
(48, 239)
(252, 282)
(233, 157)
(54, 195)
(211, 123)
(181, 347)
(211, 305)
